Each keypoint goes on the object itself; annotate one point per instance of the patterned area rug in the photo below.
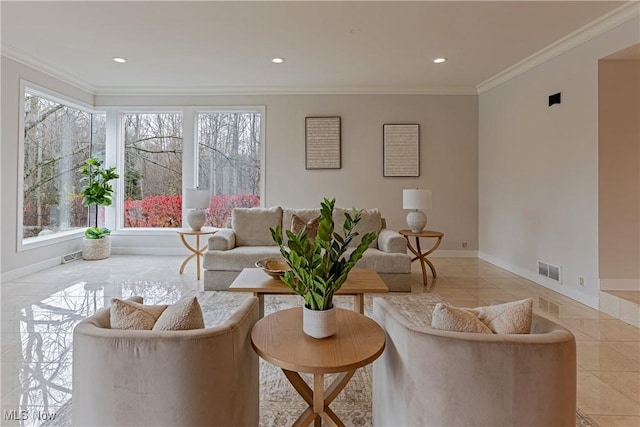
(280, 404)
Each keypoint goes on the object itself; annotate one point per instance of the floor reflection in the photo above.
(37, 341)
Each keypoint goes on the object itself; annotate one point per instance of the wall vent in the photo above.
(551, 271)
(73, 256)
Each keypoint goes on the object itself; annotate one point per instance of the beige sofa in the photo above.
(427, 377)
(249, 240)
(200, 377)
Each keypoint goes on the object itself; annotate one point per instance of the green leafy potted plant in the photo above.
(97, 192)
(319, 267)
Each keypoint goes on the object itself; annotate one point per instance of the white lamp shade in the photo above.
(195, 198)
(414, 198)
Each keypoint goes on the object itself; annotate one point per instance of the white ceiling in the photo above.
(348, 46)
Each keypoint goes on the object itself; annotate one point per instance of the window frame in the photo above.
(189, 156)
(51, 95)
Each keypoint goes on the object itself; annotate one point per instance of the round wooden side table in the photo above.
(419, 255)
(197, 250)
(278, 338)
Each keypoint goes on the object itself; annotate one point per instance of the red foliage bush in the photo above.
(166, 211)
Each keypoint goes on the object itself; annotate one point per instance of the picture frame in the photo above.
(323, 142)
(401, 150)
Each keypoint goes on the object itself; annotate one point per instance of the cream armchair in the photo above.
(427, 377)
(201, 377)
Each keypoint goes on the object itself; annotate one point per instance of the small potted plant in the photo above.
(320, 267)
(97, 192)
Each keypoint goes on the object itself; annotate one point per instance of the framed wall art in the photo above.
(322, 142)
(401, 145)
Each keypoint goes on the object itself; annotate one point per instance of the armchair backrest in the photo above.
(432, 377)
(166, 378)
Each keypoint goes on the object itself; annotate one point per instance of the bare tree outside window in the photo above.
(152, 169)
(57, 140)
(229, 161)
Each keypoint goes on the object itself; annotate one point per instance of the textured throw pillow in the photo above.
(448, 318)
(508, 318)
(298, 224)
(127, 314)
(183, 315)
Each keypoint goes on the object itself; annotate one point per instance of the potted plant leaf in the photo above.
(319, 267)
(97, 192)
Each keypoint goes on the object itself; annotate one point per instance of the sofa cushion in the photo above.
(383, 262)
(509, 318)
(126, 314)
(371, 220)
(448, 318)
(251, 225)
(183, 315)
(238, 258)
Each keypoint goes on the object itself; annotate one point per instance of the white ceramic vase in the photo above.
(94, 249)
(319, 323)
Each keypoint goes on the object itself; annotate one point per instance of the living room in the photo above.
(514, 180)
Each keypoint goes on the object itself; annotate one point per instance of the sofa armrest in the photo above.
(391, 241)
(223, 240)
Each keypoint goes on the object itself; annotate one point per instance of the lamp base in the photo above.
(417, 221)
(196, 219)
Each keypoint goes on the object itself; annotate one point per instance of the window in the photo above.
(152, 170)
(58, 137)
(229, 161)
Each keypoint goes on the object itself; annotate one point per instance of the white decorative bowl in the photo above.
(274, 267)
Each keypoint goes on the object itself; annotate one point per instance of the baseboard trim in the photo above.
(30, 269)
(592, 301)
(445, 253)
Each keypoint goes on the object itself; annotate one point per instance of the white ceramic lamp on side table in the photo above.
(197, 200)
(417, 200)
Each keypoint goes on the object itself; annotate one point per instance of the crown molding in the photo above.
(24, 58)
(583, 34)
(221, 90)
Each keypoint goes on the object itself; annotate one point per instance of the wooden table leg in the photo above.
(318, 399)
(260, 304)
(358, 303)
(197, 252)
(422, 257)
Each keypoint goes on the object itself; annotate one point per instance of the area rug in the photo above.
(280, 404)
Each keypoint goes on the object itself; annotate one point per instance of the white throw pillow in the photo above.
(126, 314)
(448, 318)
(513, 317)
(183, 315)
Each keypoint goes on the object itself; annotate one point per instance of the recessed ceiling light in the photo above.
(119, 60)
(439, 60)
(277, 60)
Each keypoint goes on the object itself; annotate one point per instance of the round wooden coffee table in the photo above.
(279, 339)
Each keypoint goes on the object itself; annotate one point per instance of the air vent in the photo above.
(73, 256)
(551, 271)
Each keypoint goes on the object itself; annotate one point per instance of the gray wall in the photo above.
(448, 163)
(539, 167)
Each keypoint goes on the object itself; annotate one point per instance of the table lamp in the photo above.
(196, 200)
(417, 200)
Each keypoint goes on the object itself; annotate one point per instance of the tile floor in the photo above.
(39, 311)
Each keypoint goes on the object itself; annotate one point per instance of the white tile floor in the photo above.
(39, 312)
